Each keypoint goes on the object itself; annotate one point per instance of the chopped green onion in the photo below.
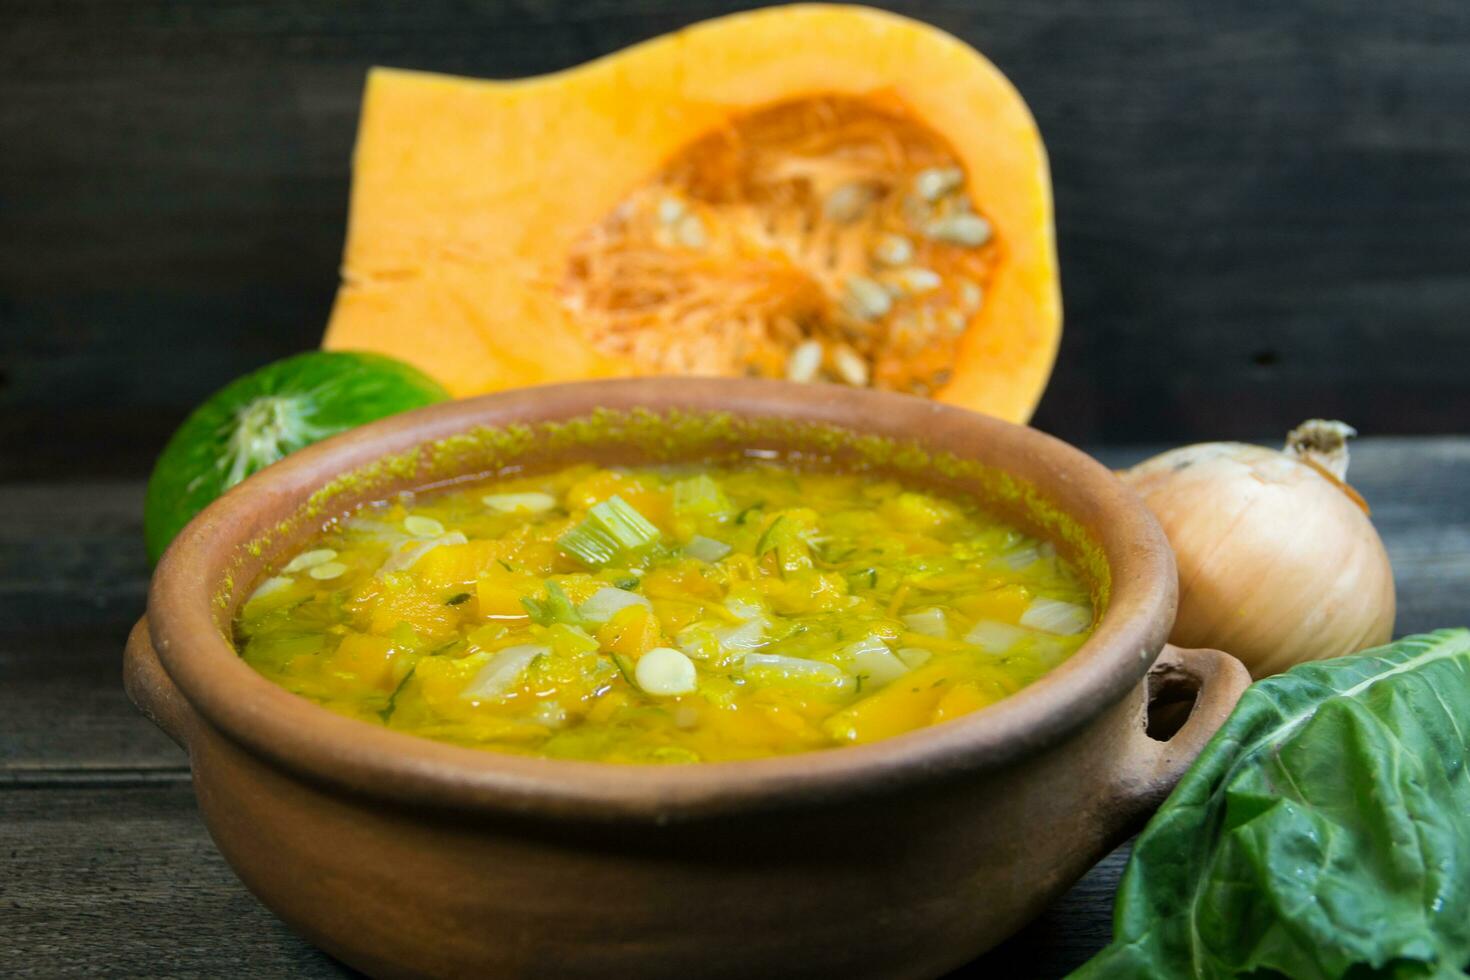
(700, 495)
(457, 598)
(621, 520)
(764, 544)
(588, 545)
(611, 526)
(625, 667)
(744, 515)
(625, 581)
(557, 607)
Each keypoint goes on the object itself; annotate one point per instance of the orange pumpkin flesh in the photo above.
(815, 192)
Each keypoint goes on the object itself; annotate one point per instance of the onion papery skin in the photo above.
(1277, 563)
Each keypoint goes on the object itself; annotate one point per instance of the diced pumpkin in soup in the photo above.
(500, 592)
(424, 612)
(910, 511)
(806, 592)
(368, 658)
(959, 700)
(900, 707)
(631, 632)
(453, 566)
(685, 580)
(440, 681)
(1004, 604)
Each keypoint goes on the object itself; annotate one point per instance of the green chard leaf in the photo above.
(1323, 832)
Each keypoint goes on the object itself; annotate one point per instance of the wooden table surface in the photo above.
(105, 868)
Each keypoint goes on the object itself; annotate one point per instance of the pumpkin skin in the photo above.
(469, 195)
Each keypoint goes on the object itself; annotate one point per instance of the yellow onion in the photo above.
(1278, 561)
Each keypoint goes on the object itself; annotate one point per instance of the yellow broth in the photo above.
(671, 614)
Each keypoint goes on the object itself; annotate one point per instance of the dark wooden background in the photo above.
(1264, 205)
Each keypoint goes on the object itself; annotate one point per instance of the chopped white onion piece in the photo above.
(405, 558)
(872, 660)
(502, 671)
(747, 636)
(741, 609)
(770, 666)
(310, 559)
(929, 622)
(914, 657)
(607, 602)
(534, 502)
(665, 671)
(1021, 557)
(1055, 616)
(993, 637)
(706, 549)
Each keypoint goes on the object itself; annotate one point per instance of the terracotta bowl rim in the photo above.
(368, 760)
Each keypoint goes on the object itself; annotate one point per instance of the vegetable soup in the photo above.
(666, 614)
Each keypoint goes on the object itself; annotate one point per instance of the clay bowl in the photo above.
(906, 857)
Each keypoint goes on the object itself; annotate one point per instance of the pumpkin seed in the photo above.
(971, 296)
(893, 250)
(865, 298)
(959, 229)
(330, 570)
(935, 182)
(915, 280)
(850, 366)
(670, 210)
(690, 232)
(847, 203)
(804, 362)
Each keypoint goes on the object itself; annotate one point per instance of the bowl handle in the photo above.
(1151, 765)
(152, 690)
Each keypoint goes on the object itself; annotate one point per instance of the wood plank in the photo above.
(1263, 209)
(126, 882)
(73, 579)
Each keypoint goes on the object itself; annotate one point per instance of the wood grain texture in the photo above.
(125, 882)
(1264, 209)
(106, 869)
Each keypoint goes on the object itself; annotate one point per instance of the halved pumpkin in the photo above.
(813, 192)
